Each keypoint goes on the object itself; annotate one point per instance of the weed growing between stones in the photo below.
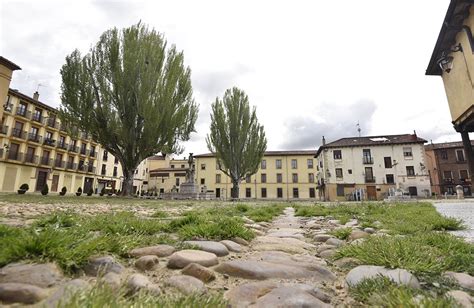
(382, 292)
(102, 296)
(341, 233)
(399, 218)
(423, 254)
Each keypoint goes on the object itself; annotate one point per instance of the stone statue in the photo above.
(190, 172)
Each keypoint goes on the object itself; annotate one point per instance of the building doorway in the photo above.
(218, 192)
(41, 179)
(88, 182)
(413, 191)
(371, 193)
(54, 185)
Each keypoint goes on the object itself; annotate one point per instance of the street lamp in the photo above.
(445, 62)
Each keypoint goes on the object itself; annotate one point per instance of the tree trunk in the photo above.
(127, 186)
(235, 190)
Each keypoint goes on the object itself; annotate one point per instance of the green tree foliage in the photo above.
(236, 137)
(132, 93)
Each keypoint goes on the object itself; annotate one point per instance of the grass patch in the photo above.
(102, 296)
(400, 218)
(381, 292)
(341, 233)
(423, 254)
(159, 214)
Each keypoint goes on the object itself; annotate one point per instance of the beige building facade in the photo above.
(371, 168)
(283, 175)
(36, 150)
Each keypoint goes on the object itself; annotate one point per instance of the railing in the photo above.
(30, 158)
(90, 169)
(63, 145)
(22, 112)
(18, 133)
(36, 117)
(367, 160)
(70, 165)
(81, 167)
(15, 155)
(34, 137)
(49, 142)
(93, 154)
(73, 148)
(45, 160)
(4, 129)
(51, 122)
(83, 151)
(59, 163)
(103, 172)
(369, 179)
(449, 181)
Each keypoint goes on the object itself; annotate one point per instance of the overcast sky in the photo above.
(311, 68)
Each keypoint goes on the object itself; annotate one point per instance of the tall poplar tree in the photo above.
(132, 93)
(236, 137)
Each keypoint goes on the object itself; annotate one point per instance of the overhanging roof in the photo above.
(457, 12)
(9, 64)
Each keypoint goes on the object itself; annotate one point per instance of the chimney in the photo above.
(324, 141)
(415, 137)
(36, 96)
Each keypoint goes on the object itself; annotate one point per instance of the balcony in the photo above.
(34, 137)
(83, 151)
(45, 160)
(367, 160)
(369, 179)
(51, 122)
(22, 112)
(448, 181)
(93, 154)
(70, 165)
(4, 129)
(73, 148)
(15, 156)
(90, 169)
(49, 142)
(18, 133)
(30, 159)
(37, 118)
(63, 146)
(59, 163)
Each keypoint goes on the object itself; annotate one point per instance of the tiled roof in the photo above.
(271, 153)
(446, 145)
(373, 141)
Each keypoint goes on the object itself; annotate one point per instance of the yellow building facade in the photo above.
(283, 175)
(36, 150)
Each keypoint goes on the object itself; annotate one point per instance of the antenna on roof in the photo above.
(39, 85)
(358, 127)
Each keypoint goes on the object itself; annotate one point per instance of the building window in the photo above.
(312, 192)
(279, 178)
(13, 151)
(203, 181)
(21, 110)
(218, 178)
(340, 190)
(116, 161)
(30, 154)
(294, 177)
(182, 166)
(264, 192)
(37, 115)
(263, 178)
(279, 192)
(248, 192)
(115, 171)
(294, 164)
(103, 171)
(337, 154)
(311, 177)
(83, 148)
(444, 154)
(447, 175)
(203, 166)
(407, 153)
(410, 171)
(172, 166)
(349, 171)
(309, 163)
(278, 163)
(247, 179)
(105, 156)
(263, 164)
(296, 193)
(320, 164)
(390, 179)
(18, 130)
(463, 174)
(339, 174)
(388, 162)
(460, 155)
(177, 182)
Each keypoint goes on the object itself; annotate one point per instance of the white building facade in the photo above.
(372, 168)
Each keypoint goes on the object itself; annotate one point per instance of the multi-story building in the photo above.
(160, 174)
(286, 175)
(447, 166)
(368, 168)
(36, 149)
(453, 59)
